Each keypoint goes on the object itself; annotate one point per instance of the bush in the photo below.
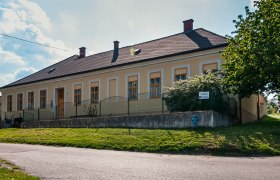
(184, 95)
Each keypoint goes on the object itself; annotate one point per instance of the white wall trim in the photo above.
(218, 61)
(9, 94)
(126, 83)
(99, 88)
(148, 79)
(55, 98)
(108, 86)
(82, 91)
(39, 99)
(17, 100)
(33, 99)
(188, 66)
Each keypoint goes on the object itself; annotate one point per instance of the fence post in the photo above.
(76, 110)
(5, 115)
(128, 106)
(38, 114)
(162, 105)
(56, 112)
(22, 115)
(100, 107)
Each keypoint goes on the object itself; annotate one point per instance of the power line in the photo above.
(32, 42)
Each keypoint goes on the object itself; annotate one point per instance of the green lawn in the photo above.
(9, 171)
(259, 138)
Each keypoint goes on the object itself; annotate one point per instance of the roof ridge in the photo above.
(156, 40)
(211, 32)
(137, 44)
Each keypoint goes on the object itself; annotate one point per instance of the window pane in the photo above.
(157, 80)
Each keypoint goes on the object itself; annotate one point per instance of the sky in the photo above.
(95, 24)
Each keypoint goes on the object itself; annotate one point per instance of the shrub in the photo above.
(183, 96)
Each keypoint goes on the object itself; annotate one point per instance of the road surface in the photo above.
(77, 163)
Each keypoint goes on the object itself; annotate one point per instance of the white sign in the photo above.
(203, 95)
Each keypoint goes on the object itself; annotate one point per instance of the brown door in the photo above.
(60, 103)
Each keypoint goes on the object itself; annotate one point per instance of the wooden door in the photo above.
(60, 103)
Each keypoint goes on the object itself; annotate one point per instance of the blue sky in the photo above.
(95, 24)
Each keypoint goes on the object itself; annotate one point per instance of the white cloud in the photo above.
(10, 58)
(27, 20)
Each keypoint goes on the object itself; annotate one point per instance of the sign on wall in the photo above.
(203, 95)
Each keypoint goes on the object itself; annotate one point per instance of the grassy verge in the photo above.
(10, 171)
(259, 138)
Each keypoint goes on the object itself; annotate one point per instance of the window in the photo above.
(133, 88)
(19, 102)
(155, 85)
(180, 74)
(78, 95)
(31, 100)
(43, 99)
(9, 103)
(94, 93)
(213, 67)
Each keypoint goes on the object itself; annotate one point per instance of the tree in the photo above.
(252, 58)
(184, 95)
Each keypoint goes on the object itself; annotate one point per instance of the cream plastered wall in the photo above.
(193, 62)
(249, 108)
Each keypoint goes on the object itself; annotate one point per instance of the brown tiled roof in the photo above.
(196, 40)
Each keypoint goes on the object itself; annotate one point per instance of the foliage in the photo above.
(183, 96)
(272, 105)
(259, 138)
(253, 54)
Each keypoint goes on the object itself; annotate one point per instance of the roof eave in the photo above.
(118, 65)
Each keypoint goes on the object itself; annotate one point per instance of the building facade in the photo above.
(130, 72)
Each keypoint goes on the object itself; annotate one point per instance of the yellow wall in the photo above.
(249, 108)
(194, 62)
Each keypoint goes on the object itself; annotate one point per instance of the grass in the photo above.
(11, 171)
(259, 138)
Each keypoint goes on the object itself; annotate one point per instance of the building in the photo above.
(142, 69)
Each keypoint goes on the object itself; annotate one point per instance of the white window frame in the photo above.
(39, 98)
(138, 81)
(218, 61)
(11, 94)
(73, 91)
(188, 66)
(161, 78)
(22, 100)
(33, 97)
(89, 89)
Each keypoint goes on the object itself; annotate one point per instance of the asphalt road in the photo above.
(77, 163)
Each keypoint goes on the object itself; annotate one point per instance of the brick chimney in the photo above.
(82, 52)
(116, 51)
(188, 25)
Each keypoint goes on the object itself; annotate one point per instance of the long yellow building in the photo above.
(130, 72)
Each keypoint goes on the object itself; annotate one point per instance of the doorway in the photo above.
(60, 103)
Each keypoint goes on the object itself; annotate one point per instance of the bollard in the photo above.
(195, 120)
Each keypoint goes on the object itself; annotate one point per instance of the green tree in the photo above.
(253, 54)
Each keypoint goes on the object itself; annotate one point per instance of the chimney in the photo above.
(82, 52)
(188, 25)
(116, 51)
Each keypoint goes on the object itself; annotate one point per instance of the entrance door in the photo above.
(60, 103)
